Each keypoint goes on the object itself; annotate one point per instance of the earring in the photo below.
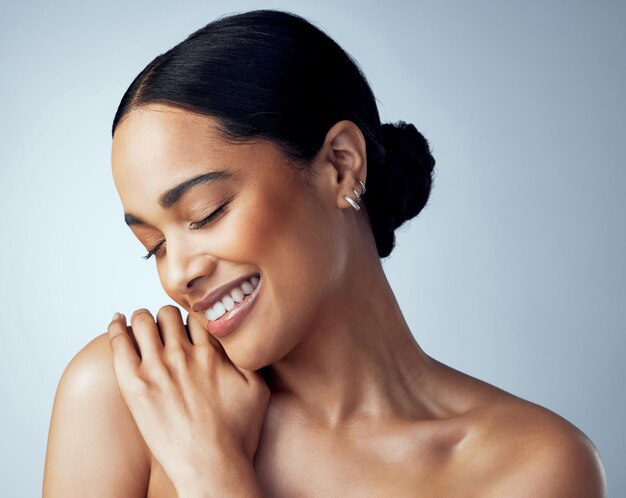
(358, 196)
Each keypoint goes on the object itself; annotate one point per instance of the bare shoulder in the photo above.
(94, 446)
(523, 450)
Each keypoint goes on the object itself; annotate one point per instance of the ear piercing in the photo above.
(358, 196)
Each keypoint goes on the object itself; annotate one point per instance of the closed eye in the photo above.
(192, 226)
(153, 250)
(199, 224)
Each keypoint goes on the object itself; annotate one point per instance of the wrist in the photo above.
(227, 476)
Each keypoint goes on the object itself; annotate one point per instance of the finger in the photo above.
(125, 358)
(253, 376)
(246, 374)
(147, 335)
(171, 327)
(131, 334)
(199, 335)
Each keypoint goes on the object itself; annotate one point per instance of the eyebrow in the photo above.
(171, 196)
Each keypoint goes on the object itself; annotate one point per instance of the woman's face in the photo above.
(271, 223)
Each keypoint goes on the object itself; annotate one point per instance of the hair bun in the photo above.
(402, 184)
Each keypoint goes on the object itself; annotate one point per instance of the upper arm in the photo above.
(94, 446)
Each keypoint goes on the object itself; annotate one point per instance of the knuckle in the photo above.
(171, 308)
(203, 349)
(115, 340)
(114, 325)
(205, 352)
(168, 311)
(138, 386)
(141, 315)
(160, 377)
(176, 356)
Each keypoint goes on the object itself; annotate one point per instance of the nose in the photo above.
(186, 265)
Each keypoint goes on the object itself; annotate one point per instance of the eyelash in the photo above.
(193, 226)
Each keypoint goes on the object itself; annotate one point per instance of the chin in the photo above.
(256, 354)
(258, 344)
(248, 362)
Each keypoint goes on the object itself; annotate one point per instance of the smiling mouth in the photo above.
(233, 299)
(221, 323)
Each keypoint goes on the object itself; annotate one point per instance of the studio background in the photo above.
(513, 273)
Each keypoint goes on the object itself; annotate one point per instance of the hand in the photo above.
(197, 411)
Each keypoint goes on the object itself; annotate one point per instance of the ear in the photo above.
(344, 161)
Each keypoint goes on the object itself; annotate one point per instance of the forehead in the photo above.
(157, 146)
(160, 140)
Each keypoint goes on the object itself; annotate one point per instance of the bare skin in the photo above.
(357, 408)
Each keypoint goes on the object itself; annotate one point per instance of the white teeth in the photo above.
(237, 294)
(230, 300)
(219, 309)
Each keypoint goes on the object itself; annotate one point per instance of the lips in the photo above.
(212, 297)
(232, 319)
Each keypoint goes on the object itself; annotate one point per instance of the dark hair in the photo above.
(272, 74)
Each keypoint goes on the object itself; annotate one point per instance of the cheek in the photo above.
(298, 247)
(299, 254)
(299, 250)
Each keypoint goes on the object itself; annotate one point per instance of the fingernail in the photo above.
(116, 315)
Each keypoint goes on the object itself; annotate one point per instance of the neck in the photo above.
(360, 358)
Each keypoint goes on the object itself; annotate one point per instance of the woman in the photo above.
(252, 165)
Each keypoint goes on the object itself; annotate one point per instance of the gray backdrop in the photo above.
(514, 273)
